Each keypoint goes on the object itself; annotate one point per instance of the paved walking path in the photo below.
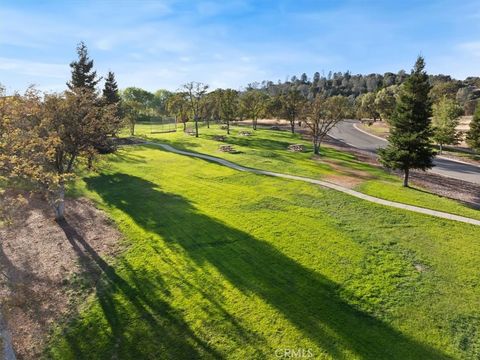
(326, 184)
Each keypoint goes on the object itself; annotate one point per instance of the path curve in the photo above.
(348, 132)
(326, 184)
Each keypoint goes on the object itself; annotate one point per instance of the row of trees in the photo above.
(45, 137)
(465, 92)
(194, 102)
(446, 112)
(226, 105)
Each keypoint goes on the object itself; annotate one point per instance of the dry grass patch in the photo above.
(41, 279)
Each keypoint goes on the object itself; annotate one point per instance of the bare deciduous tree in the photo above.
(178, 105)
(254, 104)
(291, 105)
(322, 114)
(228, 105)
(195, 92)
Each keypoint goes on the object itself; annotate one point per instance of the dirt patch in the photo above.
(463, 191)
(349, 177)
(41, 278)
(264, 122)
(345, 181)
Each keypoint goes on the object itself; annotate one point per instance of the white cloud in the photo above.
(470, 48)
(36, 69)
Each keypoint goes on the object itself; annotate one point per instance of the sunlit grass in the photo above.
(267, 150)
(224, 264)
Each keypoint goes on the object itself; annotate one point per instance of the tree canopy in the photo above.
(322, 114)
(473, 135)
(83, 75)
(110, 90)
(445, 121)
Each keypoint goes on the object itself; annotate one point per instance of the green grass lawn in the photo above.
(266, 150)
(225, 264)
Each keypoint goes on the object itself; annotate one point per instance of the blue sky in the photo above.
(165, 43)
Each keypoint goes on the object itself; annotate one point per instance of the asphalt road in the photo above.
(346, 132)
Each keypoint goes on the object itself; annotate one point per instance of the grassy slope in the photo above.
(267, 150)
(230, 264)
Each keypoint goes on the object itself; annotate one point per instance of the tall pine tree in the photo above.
(409, 145)
(83, 75)
(473, 135)
(110, 90)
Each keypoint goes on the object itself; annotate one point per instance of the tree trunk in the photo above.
(208, 123)
(292, 125)
(90, 162)
(405, 177)
(228, 127)
(196, 126)
(132, 128)
(316, 146)
(184, 126)
(441, 148)
(59, 203)
(254, 122)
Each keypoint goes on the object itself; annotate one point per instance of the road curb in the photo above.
(438, 156)
(367, 133)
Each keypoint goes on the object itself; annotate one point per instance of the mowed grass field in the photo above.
(267, 150)
(225, 264)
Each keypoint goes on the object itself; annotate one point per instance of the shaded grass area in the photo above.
(267, 150)
(233, 265)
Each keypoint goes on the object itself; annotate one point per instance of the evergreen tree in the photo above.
(83, 75)
(473, 135)
(110, 90)
(304, 78)
(410, 132)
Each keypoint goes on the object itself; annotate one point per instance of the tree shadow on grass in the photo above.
(258, 142)
(139, 326)
(308, 300)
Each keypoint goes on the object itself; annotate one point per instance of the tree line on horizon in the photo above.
(194, 103)
(373, 94)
